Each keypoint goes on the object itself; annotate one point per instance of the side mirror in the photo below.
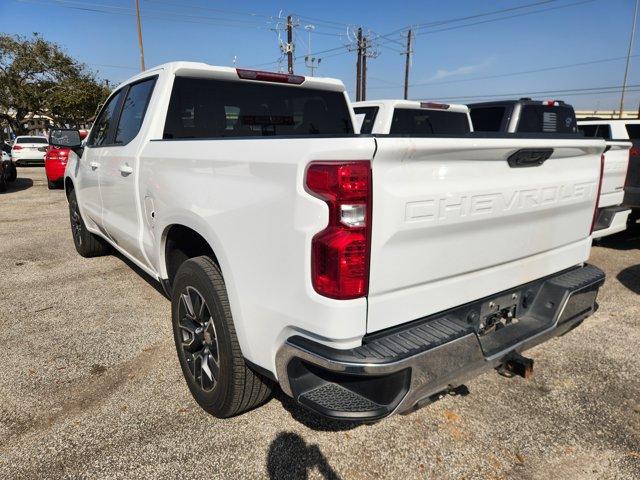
(66, 138)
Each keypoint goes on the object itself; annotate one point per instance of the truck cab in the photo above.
(524, 116)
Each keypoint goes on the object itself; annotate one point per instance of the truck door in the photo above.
(118, 171)
(88, 170)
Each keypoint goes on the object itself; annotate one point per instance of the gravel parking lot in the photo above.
(90, 386)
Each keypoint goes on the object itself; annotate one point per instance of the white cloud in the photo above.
(463, 70)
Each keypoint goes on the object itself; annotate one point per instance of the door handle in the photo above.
(94, 165)
(126, 169)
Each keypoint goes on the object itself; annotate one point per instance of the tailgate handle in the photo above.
(529, 157)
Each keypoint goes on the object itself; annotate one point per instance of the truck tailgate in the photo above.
(616, 161)
(454, 222)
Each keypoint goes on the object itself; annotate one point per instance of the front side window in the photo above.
(103, 123)
(133, 109)
(209, 108)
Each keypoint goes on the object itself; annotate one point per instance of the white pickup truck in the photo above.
(363, 274)
(410, 117)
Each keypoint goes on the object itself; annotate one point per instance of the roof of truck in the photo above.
(200, 69)
(391, 103)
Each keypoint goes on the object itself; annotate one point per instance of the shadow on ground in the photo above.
(19, 184)
(627, 240)
(290, 457)
(630, 278)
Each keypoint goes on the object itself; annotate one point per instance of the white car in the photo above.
(29, 150)
(409, 117)
(364, 274)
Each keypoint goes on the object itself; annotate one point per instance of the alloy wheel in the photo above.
(198, 339)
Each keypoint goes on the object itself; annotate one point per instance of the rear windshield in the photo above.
(32, 140)
(547, 119)
(207, 108)
(633, 130)
(487, 119)
(409, 121)
(596, 131)
(369, 119)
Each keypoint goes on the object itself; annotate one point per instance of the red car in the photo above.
(55, 161)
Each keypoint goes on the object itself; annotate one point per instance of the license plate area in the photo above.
(498, 313)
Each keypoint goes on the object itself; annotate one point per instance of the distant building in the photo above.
(631, 114)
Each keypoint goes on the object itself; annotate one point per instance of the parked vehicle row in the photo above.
(364, 274)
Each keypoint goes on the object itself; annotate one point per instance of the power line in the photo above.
(455, 27)
(509, 74)
(572, 91)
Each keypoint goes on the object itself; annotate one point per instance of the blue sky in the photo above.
(452, 60)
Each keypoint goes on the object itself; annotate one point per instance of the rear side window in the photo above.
(370, 114)
(408, 121)
(596, 131)
(32, 140)
(547, 119)
(487, 119)
(133, 109)
(207, 108)
(633, 130)
(103, 123)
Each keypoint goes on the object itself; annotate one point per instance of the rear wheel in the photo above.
(3, 182)
(51, 185)
(87, 244)
(213, 366)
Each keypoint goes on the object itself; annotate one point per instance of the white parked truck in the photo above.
(410, 117)
(363, 274)
(615, 131)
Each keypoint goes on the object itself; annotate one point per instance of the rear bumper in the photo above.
(54, 170)
(611, 220)
(402, 368)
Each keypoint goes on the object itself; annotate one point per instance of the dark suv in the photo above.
(523, 116)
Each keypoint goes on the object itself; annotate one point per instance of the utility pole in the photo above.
(289, 44)
(626, 68)
(359, 67)
(363, 88)
(407, 64)
(142, 68)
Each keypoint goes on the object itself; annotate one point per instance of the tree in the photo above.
(37, 77)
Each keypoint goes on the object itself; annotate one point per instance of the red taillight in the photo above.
(340, 252)
(595, 211)
(269, 76)
(17, 147)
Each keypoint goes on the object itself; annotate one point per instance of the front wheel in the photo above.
(212, 364)
(87, 244)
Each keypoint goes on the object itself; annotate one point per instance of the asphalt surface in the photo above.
(90, 386)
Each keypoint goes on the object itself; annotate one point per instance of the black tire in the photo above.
(51, 185)
(3, 182)
(632, 222)
(228, 386)
(87, 244)
(12, 172)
